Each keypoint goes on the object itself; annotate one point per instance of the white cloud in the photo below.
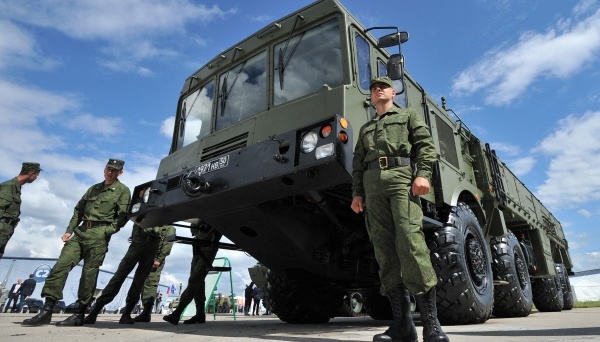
(105, 126)
(19, 48)
(129, 29)
(522, 166)
(505, 148)
(574, 149)
(585, 213)
(506, 72)
(586, 261)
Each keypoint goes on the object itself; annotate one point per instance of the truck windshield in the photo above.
(312, 60)
(195, 115)
(244, 93)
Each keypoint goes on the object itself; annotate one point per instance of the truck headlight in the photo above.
(146, 195)
(324, 151)
(309, 142)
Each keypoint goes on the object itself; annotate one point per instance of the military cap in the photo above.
(30, 167)
(384, 80)
(115, 164)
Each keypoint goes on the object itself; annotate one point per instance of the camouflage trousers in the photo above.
(151, 285)
(140, 253)
(89, 245)
(6, 232)
(394, 223)
(195, 289)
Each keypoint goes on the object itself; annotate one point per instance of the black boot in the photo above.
(145, 315)
(173, 318)
(403, 328)
(126, 315)
(44, 316)
(432, 331)
(75, 320)
(198, 318)
(93, 315)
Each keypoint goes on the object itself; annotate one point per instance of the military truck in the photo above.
(262, 152)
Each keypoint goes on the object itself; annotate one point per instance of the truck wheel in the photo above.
(461, 259)
(547, 294)
(349, 308)
(378, 307)
(298, 303)
(514, 299)
(565, 286)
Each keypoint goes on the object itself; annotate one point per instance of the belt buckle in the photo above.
(88, 224)
(383, 162)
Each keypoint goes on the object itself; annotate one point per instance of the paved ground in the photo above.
(574, 325)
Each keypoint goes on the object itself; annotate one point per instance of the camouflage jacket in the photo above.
(10, 199)
(397, 133)
(102, 204)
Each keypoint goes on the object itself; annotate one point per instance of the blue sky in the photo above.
(84, 81)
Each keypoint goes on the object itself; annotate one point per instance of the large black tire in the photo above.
(561, 271)
(514, 299)
(378, 306)
(547, 294)
(461, 258)
(298, 303)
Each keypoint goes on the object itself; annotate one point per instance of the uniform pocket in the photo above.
(396, 131)
(368, 137)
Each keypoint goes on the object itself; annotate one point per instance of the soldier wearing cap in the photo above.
(100, 213)
(10, 201)
(392, 166)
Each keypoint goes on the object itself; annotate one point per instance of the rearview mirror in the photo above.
(394, 67)
(393, 39)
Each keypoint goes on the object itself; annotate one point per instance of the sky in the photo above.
(83, 81)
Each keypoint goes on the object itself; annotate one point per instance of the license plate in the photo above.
(213, 165)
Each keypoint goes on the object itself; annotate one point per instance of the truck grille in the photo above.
(226, 146)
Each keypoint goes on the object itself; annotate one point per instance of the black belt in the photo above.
(9, 221)
(146, 239)
(94, 224)
(387, 162)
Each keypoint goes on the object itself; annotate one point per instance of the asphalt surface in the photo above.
(573, 325)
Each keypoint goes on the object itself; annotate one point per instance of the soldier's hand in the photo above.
(65, 237)
(357, 204)
(420, 186)
(156, 264)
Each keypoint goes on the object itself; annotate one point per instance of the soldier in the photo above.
(151, 283)
(10, 201)
(142, 252)
(102, 212)
(199, 269)
(385, 182)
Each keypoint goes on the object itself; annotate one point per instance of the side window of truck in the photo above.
(363, 60)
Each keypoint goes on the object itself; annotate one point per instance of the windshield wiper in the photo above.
(224, 93)
(281, 64)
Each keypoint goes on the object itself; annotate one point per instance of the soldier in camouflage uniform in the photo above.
(141, 252)
(392, 165)
(151, 283)
(201, 262)
(101, 212)
(10, 201)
